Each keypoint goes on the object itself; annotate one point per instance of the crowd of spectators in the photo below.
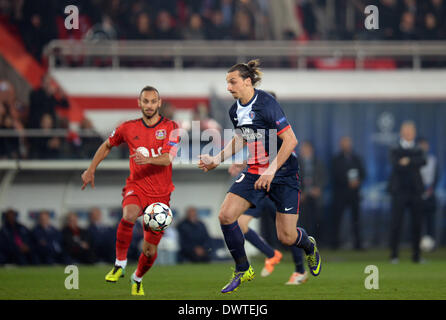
(46, 112)
(40, 21)
(46, 244)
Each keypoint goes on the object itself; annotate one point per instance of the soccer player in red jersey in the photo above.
(150, 179)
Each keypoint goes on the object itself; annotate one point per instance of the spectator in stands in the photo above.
(407, 28)
(90, 141)
(194, 29)
(438, 9)
(389, 18)
(430, 29)
(194, 238)
(165, 29)
(46, 100)
(46, 146)
(9, 145)
(216, 29)
(227, 8)
(243, 27)
(348, 175)
(101, 237)
(142, 28)
(48, 241)
(38, 26)
(313, 179)
(76, 241)
(16, 240)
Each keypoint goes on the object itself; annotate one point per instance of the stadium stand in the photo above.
(187, 46)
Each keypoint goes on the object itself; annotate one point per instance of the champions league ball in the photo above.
(427, 244)
(157, 217)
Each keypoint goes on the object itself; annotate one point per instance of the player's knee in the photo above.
(225, 217)
(131, 215)
(149, 251)
(286, 238)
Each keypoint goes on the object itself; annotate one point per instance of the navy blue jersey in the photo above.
(259, 122)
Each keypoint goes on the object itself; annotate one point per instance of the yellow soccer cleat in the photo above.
(314, 259)
(137, 289)
(238, 277)
(114, 275)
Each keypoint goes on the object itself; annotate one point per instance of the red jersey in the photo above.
(153, 180)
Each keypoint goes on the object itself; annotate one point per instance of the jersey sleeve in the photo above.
(277, 117)
(170, 145)
(117, 136)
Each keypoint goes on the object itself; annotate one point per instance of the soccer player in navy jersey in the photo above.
(272, 170)
(150, 180)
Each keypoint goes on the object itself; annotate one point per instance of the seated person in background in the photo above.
(76, 241)
(16, 240)
(194, 238)
(101, 237)
(90, 143)
(48, 241)
(46, 146)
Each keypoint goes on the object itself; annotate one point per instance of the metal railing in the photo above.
(177, 52)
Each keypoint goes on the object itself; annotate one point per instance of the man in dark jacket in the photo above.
(101, 237)
(406, 189)
(194, 238)
(48, 241)
(313, 178)
(16, 241)
(348, 175)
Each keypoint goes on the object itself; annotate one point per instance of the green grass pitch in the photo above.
(342, 277)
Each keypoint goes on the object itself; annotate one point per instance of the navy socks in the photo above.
(259, 243)
(303, 242)
(298, 259)
(235, 241)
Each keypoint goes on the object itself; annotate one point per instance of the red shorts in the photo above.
(133, 195)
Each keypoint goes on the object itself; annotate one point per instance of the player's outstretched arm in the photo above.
(207, 162)
(101, 154)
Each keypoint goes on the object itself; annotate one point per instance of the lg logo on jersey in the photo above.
(155, 153)
(146, 153)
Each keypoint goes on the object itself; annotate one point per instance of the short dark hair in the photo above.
(149, 88)
(249, 70)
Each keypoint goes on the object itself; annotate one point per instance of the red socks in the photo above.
(123, 239)
(144, 264)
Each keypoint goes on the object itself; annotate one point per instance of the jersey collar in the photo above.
(253, 99)
(145, 124)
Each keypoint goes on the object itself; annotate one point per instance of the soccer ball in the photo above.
(427, 244)
(157, 217)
